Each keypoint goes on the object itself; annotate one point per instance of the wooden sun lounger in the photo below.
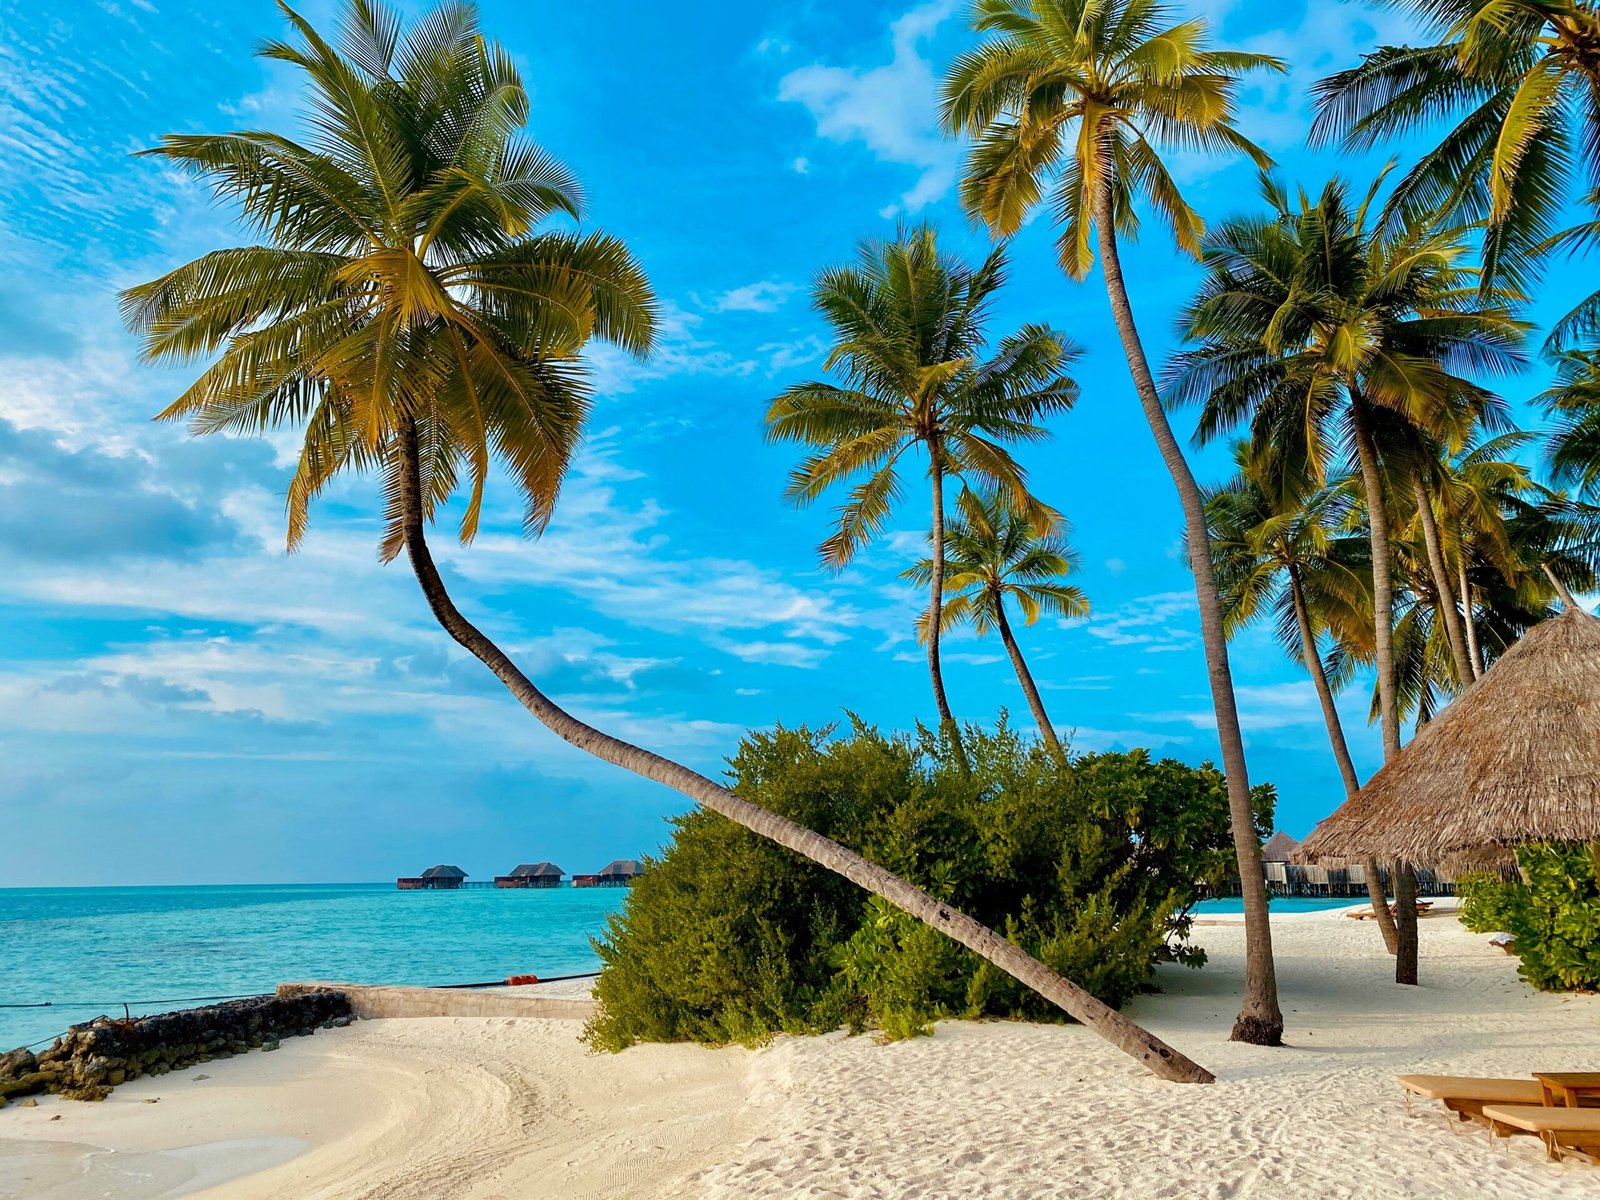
(1563, 1130)
(1366, 914)
(1466, 1096)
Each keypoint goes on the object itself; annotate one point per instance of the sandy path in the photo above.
(496, 1109)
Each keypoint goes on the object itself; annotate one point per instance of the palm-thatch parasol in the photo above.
(1515, 759)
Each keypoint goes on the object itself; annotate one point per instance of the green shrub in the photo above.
(1092, 866)
(1486, 901)
(1555, 917)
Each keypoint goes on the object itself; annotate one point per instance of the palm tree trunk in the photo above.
(1341, 749)
(1260, 1019)
(1441, 577)
(1474, 652)
(1025, 678)
(1405, 918)
(947, 722)
(1382, 576)
(1160, 1058)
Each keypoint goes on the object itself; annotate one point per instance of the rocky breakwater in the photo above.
(89, 1060)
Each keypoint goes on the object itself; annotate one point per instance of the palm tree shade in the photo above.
(909, 327)
(403, 314)
(1082, 97)
(994, 554)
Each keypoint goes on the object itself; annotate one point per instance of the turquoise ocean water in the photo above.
(1286, 904)
(89, 950)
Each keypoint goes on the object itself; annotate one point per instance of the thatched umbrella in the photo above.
(1515, 759)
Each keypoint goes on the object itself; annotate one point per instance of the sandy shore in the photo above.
(485, 1108)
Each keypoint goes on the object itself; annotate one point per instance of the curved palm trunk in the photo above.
(1025, 678)
(947, 722)
(1405, 910)
(1160, 1058)
(1443, 587)
(1382, 576)
(1341, 749)
(1260, 1020)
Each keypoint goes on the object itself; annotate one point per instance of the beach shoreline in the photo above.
(487, 1107)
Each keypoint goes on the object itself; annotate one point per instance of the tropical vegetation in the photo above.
(1092, 866)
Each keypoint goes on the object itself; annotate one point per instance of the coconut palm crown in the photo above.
(1089, 94)
(399, 282)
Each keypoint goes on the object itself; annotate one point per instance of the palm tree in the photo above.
(1313, 323)
(1573, 402)
(402, 312)
(1087, 93)
(994, 553)
(1281, 548)
(1519, 83)
(909, 330)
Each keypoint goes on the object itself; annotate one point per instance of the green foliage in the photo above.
(1555, 917)
(1486, 901)
(1092, 866)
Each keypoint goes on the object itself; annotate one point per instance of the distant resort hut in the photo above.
(1515, 759)
(442, 877)
(531, 875)
(619, 872)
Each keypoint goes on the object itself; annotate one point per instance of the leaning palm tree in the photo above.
(994, 554)
(1283, 549)
(909, 337)
(1084, 95)
(1517, 81)
(401, 312)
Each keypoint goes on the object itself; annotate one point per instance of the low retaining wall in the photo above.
(371, 1002)
(89, 1060)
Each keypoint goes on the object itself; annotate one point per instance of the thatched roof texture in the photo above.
(625, 868)
(538, 870)
(444, 871)
(1516, 758)
(1278, 848)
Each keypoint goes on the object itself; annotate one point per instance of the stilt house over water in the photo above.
(442, 876)
(531, 875)
(619, 872)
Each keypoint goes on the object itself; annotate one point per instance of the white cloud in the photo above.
(893, 109)
(763, 297)
(1160, 623)
(801, 165)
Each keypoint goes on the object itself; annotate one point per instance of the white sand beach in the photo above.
(487, 1108)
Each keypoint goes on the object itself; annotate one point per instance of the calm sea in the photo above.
(89, 950)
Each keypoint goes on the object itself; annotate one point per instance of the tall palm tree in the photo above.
(1518, 82)
(1085, 95)
(1282, 548)
(994, 554)
(1312, 322)
(402, 312)
(909, 328)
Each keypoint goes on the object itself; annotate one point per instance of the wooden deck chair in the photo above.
(1465, 1095)
(1564, 1131)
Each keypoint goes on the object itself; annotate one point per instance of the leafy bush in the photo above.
(1486, 901)
(1092, 866)
(1555, 917)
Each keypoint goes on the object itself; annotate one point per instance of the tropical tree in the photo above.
(1573, 403)
(1083, 96)
(1517, 82)
(1283, 549)
(401, 312)
(1313, 322)
(909, 328)
(994, 554)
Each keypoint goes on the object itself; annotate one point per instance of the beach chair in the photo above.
(1564, 1131)
(1466, 1096)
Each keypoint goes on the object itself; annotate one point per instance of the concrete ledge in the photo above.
(372, 1002)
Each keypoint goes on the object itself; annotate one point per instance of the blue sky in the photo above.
(181, 702)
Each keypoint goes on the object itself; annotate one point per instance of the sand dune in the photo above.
(482, 1108)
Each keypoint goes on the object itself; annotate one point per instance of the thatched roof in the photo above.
(538, 870)
(1278, 848)
(626, 867)
(1516, 758)
(444, 871)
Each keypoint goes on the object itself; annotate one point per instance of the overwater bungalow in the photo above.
(531, 875)
(440, 877)
(619, 872)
